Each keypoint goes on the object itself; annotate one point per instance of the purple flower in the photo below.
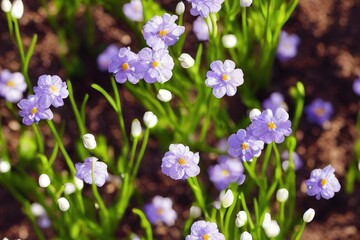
(201, 29)
(201, 230)
(160, 210)
(319, 111)
(204, 7)
(104, 59)
(180, 162)
(134, 10)
(229, 170)
(156, 66)
(275, 101)
(244, 145)
(32, 111)
(51, 90)
(356, 86)
(161, 32)
(224, 78)
(296, 158)
(287, 47)
(124, 65)
(84, 171)
(268, 127)
(12, 85)
(322, 183)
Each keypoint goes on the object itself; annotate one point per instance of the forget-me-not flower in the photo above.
(244, 146)
(51, 90)
(319, 111)
(275, 101)
(160, 210)
(200, 29)
(134, 10)
(85, 170)
(287, 47)
(204, 7)
(32, 111)
(296, 158)
(104, 59)
(12, 85)
(201, 230)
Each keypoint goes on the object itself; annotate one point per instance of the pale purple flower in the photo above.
(161, 32)
(134, 10)
(156, 66)
(204, 7)
(51, 90)
(200, 29)
(275, 101)
(124, 65)
(32, 111)
(319, 111)
(12, 85)
(270, 127)
(356, 86)
(287, 47)
(104, 59)
(201, 230)
(85, 170)
(160, 210)
(224, 78)
(244, 145)
(180, 162)
(296, 158)
(322, 183)
(228, 170)
(44, 221)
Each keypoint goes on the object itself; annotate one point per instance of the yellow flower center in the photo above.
(244, 146)
(33, 110)
(225, 77)
(10, 83)
(225, 172)
(319, 111)
(271, 125)
(125, 66)
(181, 161)
(323, 182)
(159, 211)
(206, 237)
(163, 32)
(54, 89)
(155, 64)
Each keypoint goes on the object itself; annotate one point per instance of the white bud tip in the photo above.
(37, 209)
(282, 195)
(69, 188)
(309, 215)
(254, 113)
(89, 141)
(241, 219)
(245, 236)
(245, 3)
(150, 119)
(17, 9)
(136, 128)
(180, 8)
(195, 211)
(229, 41)
(6, 5)
(64, 204)
(4, 166)
(44, 180)
(186, 61)
(78, 183)
(164, 95)
(226, 198)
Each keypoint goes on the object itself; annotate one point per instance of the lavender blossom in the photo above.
(156, 66)
(275, 101)
(204, 7)
(90, 167)
(296, 158)
(229, 170)
(322, 183)
(319, 111)
(180, 162)
(244, 145)
(356, 86)
(224, 78)
(134, 10)
(268, 127)
(161, 32)
(12, 85)
(160, 210)
(124, 65)
(51, 90)
(204, 230)
(104, 59)
(287, 47)
(32, 111)
(200, 29)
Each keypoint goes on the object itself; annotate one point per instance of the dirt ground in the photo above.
(327, 63)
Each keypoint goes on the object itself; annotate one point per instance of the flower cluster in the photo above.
(50, 91)
(160, 210)
(12, 85)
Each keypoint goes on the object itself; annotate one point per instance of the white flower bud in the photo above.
(64, 204)
(17, 9)
(164, 95)
(282, 195)
(69, 188)
(89, 141)
(226, 198)
(229, 40)
(78, 183)
(245, 236)
(180, 8)
(216, 204)
(267, 220)
(186, 61)
(309, 215)
(44, 180)
(6, 5)
(4, 166)
(241, 219)
(136, 128)
(195, 211)
(254, 113)
(245, 3)
(273, 229)
(150, 119)
(37, 209)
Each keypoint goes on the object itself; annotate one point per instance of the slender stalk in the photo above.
(79, 120)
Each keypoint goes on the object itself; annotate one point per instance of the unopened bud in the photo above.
(226, 198)
(164, 95)
(44, 180)
(186, 61)
(6, 5)
(150, 119)
(64, 204)
(37, 209)
(245, 236)
(229, 40)
(273, 229)
(4, 166)
(241, 219)
(89, 141)
(180, 8)
(78, 183)
(254, 113)
(282, 195)
(17, 9)
(245, 3)
(69, 188)
(309, 215)
(195, 211)
(136, 129)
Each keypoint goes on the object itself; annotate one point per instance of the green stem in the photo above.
(79, 120)
(39, 138)
(199, 196)
(140, 155)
